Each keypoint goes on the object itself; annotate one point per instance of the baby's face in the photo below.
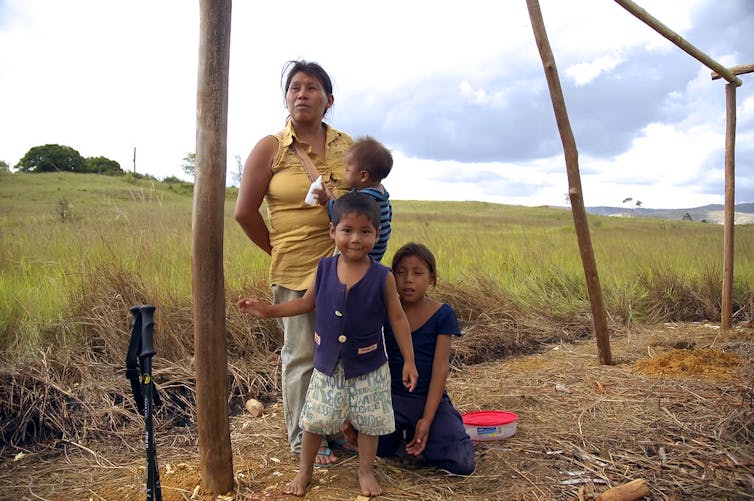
(355, 177)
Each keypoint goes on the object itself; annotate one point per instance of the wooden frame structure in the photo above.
(574, 181)
(729, 74)
(208, 293)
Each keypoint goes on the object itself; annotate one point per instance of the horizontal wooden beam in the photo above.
(736, 70)
(677, 39)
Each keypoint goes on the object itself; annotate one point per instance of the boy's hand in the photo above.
(410, 376)
(253, 306)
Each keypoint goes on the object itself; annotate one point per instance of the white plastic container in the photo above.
(490, 425)
(317, 184)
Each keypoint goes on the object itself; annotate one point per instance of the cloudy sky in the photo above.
(455, 89)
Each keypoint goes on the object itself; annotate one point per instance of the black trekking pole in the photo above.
(143, 334)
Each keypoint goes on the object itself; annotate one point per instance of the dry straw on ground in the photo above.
(686, 428)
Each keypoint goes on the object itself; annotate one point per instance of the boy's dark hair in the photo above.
(370, 155)
(420, 251)
(359, 203)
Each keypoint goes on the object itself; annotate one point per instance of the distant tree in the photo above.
(638, 204)
(627, 202)
(4, 167)
(52, 158)
(102, 165)
(238, 173)
(687, 217)
(173, 180)
(189, 164)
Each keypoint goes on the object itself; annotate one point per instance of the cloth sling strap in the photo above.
(134, 371)
(311, 170)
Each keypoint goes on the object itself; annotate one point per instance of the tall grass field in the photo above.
(79, 250)
(68, 237)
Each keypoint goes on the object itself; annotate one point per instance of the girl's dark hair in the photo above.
(312, 69)
(420, 251)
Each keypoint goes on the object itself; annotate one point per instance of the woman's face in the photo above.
(306, 98)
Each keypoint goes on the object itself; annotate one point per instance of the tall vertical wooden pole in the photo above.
(730, 207)
(215, 457)
(599, 316)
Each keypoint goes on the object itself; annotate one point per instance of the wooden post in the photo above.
(730, 207)
(574, 184)
(726, 313)
(210, 359)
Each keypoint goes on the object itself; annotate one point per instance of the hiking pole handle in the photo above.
(147, 330)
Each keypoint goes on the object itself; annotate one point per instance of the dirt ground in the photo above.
(676, 410)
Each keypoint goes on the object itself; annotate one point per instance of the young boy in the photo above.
(368, 162)
(351, 381)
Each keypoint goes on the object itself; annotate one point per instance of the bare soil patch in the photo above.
(676, 409)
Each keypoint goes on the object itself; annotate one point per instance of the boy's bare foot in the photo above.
(300, 482)
(368, 483)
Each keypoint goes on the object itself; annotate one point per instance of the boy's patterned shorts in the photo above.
(364, 401)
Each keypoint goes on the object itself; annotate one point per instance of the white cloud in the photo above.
(583, 73)
(461, 80)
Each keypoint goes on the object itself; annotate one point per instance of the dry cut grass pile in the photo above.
(676, 409)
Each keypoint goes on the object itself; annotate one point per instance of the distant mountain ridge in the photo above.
(713, 213)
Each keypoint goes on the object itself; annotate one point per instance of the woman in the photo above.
(299, 234)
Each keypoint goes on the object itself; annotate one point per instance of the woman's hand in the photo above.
(419, 441)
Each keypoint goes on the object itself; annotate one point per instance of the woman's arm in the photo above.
(440, 369)
(402, 332)
(255, 181)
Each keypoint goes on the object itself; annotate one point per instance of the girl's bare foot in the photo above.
(300, 482)
(368, 483)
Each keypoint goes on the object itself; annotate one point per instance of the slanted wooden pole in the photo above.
(730, 205)
(210, 359)
(574, 184)
(677, 39)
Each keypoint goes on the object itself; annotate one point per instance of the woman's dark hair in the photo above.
(312, 69)
(421, 252)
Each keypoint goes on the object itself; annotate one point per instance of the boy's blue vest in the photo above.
(349, 327)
